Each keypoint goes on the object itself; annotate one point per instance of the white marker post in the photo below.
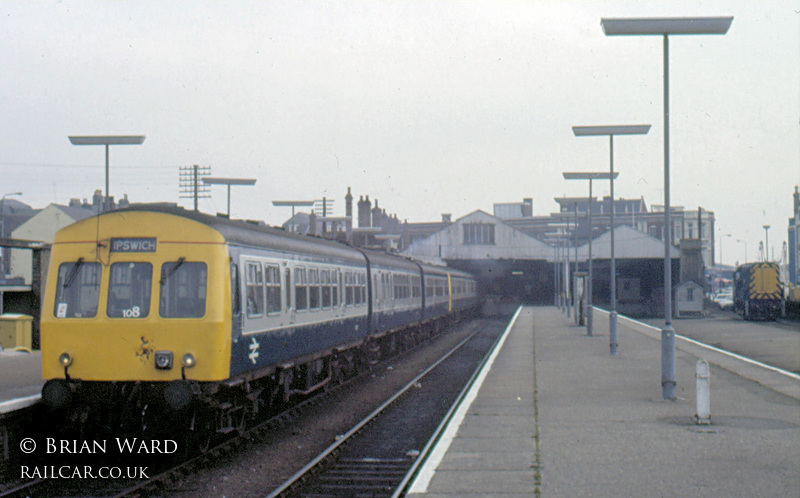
(702, 377)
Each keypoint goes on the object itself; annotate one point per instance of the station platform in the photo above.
(556, 415)
(20, 379)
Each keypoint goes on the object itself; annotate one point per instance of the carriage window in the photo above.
(415, 287)
(313, 289)
(348, 289)
(77, 290)
(336, 277)
(300, 289)
(273, 281)
(183, 289)
(325, 281)
(288, 289)
(255, 290)
(357, 288)
(129, 290)
(401, 283)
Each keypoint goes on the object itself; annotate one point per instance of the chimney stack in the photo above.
(376, 215)
(348, 204)
(363, 212)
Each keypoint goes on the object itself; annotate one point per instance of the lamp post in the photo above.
(664, 27)
(766, 244)
(575, 245)
(589, 176)
(293, 204)
(560, 260)
(568, 269)
(722, 237)
(745, 248)
(586, 131)
(228, 181)
(570, 239)
(107, 140)
(3, 236)
(720, 246)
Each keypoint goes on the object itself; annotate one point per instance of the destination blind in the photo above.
(133, 244)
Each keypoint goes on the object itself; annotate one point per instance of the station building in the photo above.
(510, 263)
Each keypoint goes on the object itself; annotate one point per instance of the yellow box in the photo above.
(15, 330)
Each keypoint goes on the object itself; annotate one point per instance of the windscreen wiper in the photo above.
(73, 273)
(172, 270)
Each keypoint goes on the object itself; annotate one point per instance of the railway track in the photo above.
(163, 478)
(378, 456)
(159, 479)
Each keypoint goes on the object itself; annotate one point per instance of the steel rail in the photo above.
(298, 476)
(276, 420)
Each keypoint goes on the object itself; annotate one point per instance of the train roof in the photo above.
(759, 264)
(443, 271)
(255, 235)
(251, 234)
(385, 260)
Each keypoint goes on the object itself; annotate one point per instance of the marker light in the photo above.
(188, 360)
(65, 359)
(163, 360)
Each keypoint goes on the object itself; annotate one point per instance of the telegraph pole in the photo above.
(191, 185)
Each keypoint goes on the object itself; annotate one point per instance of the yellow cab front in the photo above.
(137, 296)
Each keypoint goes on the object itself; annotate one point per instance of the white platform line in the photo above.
(424, 476)
(745, 359)
(19, 403)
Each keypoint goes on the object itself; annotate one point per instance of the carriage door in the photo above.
(236, 302)
(289, 307)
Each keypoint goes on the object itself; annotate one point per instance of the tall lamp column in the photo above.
(584, 131)
(664, 27)
(589, 176)
(107, 140)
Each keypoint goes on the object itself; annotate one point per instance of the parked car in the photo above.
(724, 299)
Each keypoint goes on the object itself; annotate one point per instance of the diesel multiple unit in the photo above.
(215, 319)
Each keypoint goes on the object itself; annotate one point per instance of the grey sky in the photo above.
(430, 107)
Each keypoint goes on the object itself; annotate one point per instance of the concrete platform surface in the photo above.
(557, 415)
(20, 375)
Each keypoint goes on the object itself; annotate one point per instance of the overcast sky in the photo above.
(428, 106)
